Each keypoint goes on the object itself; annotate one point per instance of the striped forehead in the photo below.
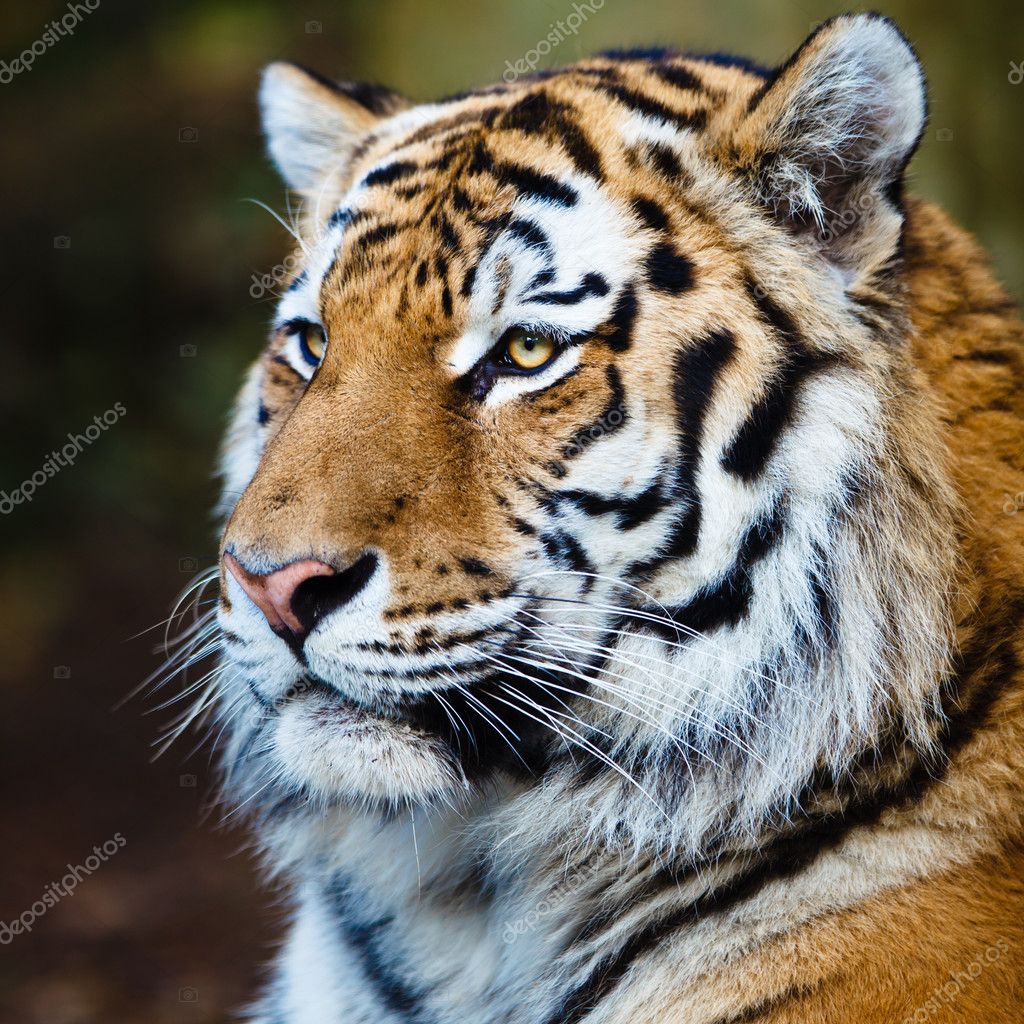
(564, 251)
(560, 264)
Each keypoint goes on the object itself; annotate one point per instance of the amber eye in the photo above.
(528, 349)
(312, 342)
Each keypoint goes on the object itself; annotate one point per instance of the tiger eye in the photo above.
(313, 343)
(529, 350)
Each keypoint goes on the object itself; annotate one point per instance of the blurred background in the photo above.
(136, 289)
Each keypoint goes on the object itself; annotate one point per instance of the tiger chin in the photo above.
(619, 610)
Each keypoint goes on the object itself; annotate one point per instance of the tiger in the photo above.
(620, 590)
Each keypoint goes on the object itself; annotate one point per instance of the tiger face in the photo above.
(586, 438)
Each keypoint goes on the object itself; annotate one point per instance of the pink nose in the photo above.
(274, 593)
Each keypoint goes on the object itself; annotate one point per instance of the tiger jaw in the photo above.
(331, 748)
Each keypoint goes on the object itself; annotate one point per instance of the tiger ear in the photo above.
(836, 124)
(312, 125)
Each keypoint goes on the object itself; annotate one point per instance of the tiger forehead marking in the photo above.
(617, 624)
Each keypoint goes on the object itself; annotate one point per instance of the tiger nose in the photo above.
(296, 597)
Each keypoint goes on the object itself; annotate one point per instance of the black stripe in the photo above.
(378, 99)
(630, 512)
(449, 236)
(618, 331)
(650, 107)
(563, 549)
(529, 233)
(826, 613)
(652, 215)
(993, 356)
(757, 1013)
(535, 184)
(665, 160)
(695, 375)
(475, 567)
(678, 76)
(460, 200)
(772, 313)
(726, 602)
(369, 942)
(375, 236)
(532, 114)
(493, 226)
(579, 149)
(539, 114)
(279, 360)
(393, 172)
(612, 418)
(668, 270)
(523, 527)
(729, 60)
(646, 54)
(592, 284)
(758, 436)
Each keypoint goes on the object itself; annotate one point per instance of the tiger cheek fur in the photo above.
(617, 621)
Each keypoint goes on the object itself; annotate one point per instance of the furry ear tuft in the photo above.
(312, 125)
(843, 115)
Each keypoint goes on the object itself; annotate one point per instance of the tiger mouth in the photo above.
(484, 725)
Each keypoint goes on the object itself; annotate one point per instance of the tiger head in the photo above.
(588, 446)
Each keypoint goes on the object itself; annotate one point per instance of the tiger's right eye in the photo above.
(528, 350)
(312, 342)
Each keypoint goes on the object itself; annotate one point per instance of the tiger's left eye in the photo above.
(312, 343)
(526, 349)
